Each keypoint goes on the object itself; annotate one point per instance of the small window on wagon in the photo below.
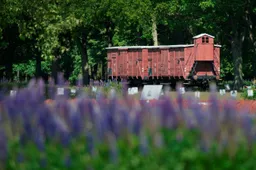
(203, 40)
(207, 39)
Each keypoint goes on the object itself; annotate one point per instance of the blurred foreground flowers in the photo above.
(122, 132)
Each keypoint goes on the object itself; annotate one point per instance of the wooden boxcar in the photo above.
(190, 63)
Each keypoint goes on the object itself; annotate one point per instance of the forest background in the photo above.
(44, 37)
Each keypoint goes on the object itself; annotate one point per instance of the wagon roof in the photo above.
(203, 34)
(151, 47)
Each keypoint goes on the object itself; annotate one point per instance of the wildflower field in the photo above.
(116, 131)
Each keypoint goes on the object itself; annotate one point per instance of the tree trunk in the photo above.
(38, 66)
(251, 34)
(95, 71)
(54, 70)
(236, 47)
(154, 31)
(84, 57)
(109, 33)
(9, 69)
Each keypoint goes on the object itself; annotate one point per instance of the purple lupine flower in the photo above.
(125, 118)
(229, 116)
(32, 83)
(91, 82)
(39, 141)
(65, 138)
(63, 108)
(113, 150)
(28, 129)
(2, 95)
(76, 124)
(99, 95)
(82, 105)
(109, 121)
(89, 143)
(98, 121)
(51, 88)
(124, 87)
(41, 87)
(144, 148)
(137, 123)
(80, 81)
(168, 113)
(247, 126)
(3, 146)
(45, 119)
(10, 108)
(60, 79)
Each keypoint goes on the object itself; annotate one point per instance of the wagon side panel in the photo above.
(114, 58)
(109, 59)
(172, 62)
(217, 61)
(188, 60)
(163, 62)
(144, 67)
(150, 63)
(155, 60)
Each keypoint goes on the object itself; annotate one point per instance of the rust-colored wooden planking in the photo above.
(204, 52)
(150, 61)
(205, 49)
(122, 62)
(144, 69)
(114, 63)
(177, 66)
(217, 61)
(188, 60)
(132, 63)
(155, 55)
(172, 61)
(109, 63)
(163, 65)
(136, 56)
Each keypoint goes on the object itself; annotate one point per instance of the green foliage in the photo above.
(28, 69)
(183, 153)
(51, 28)
(76, 65)
(244, 95)
(227, 68)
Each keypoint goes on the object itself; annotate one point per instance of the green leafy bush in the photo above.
(244, 94)
(181, 150)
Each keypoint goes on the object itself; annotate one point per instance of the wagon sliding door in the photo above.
(163, 62)
(179, 60)
(152, 53)
(134, 62)
(114, 64)
(122, 63)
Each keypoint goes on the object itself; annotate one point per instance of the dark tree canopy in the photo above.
(40, 38)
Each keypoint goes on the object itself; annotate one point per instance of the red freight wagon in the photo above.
(192, 63)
